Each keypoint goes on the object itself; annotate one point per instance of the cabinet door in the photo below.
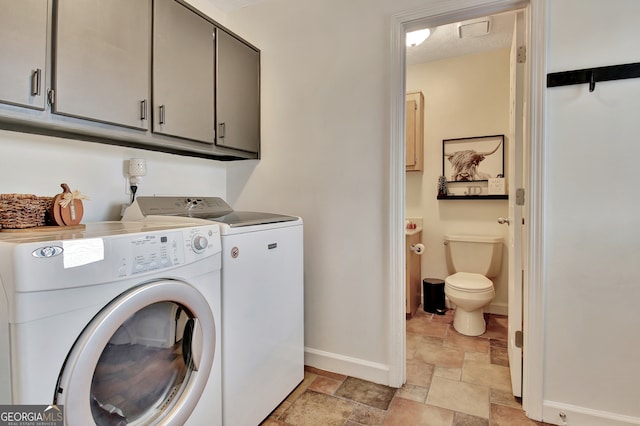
(102, 60)
(23, 52)
(410, 134)
(238, 91)
(183, 73)
(414, 136)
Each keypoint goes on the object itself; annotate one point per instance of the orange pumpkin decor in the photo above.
(67, 207)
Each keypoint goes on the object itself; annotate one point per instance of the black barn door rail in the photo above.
(593, 75)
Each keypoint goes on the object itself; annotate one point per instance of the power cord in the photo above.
(134, 189)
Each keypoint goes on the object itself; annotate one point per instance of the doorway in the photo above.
(472, 80)
(455, 11)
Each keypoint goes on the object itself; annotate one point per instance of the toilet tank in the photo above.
(480, 254)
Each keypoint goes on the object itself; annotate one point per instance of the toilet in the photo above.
(471, 261)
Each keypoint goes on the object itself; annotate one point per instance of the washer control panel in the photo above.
(199, 243)
(107, 252)
(158, 250)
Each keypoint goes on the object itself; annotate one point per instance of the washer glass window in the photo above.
(145, 358)
(144, 366)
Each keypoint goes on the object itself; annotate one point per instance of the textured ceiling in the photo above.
(445, 43)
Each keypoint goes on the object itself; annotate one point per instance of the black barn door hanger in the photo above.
(593, 75)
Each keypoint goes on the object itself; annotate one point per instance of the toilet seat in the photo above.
(469, 282)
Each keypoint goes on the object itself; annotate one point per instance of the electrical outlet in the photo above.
(563, 417)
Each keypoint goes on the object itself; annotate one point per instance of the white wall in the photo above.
(35, 164)
(464, 96)
(210, 9)
(592, 348)
(325, 135)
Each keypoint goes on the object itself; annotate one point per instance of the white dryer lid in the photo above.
(467, 281)
(209, 208)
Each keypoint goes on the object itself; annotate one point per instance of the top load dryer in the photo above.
(262, 300)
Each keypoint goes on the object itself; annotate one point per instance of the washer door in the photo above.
(144, 359)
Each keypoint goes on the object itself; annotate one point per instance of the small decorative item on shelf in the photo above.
(496, 186)
(442, 186)
(67, 207)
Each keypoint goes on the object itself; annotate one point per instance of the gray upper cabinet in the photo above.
(23, 52)
(102, 61)
(183, 73)
(149, 74)
(238, 94)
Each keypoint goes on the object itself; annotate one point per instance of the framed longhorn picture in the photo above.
(473, 159)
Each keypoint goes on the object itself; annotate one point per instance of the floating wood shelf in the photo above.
(473, 197)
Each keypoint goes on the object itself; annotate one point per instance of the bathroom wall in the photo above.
(463, 97)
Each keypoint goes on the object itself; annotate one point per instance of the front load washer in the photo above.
(118, 323)
(262, 301)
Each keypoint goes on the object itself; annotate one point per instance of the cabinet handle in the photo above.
(35, 82)
(143, 109)
(222, 130)
(161, 114)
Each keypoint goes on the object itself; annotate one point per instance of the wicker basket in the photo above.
(18, 211)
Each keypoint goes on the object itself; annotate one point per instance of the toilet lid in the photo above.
(466, 281)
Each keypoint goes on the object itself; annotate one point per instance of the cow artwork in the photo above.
(465, 164)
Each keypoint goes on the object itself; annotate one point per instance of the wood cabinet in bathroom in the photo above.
(414, 128)
(413, 273)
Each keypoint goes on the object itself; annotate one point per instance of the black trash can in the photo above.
(433, 296)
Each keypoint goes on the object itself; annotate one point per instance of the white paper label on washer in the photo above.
(81, 252)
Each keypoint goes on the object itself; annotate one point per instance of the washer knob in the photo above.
(199, 243)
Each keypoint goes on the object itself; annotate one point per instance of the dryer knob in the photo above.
(199, 243)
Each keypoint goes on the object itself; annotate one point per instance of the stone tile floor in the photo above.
(452, 380)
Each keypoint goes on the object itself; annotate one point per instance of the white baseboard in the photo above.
(354, 367)
(497, 309)
(493, 308)
(575, 415)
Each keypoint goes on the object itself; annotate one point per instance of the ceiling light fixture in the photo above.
(414, 38)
